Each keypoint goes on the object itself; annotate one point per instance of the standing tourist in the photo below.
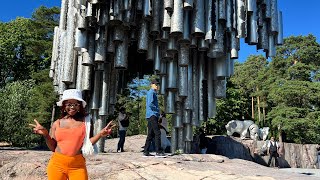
(152, 115)
(66, 138)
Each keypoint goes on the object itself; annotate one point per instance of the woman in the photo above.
(66, 138)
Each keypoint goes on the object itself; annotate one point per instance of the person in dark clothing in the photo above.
(152, 116)
(273, 148)
(122, 129)
(203, 141)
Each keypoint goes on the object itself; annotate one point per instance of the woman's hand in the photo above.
(107, 130)
(39, 129)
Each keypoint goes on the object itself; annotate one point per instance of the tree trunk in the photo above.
(252, 107)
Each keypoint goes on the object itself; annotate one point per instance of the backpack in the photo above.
(125, 122)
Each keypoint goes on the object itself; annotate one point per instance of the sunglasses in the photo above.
(73, 105)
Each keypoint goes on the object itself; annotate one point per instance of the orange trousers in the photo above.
(62, 167)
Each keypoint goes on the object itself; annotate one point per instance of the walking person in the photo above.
(66, 138)
(273, 148)
(152, 116)
(123, 121)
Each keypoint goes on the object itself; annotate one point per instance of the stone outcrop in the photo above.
(291, 155)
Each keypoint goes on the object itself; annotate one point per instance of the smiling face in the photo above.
(72, 106)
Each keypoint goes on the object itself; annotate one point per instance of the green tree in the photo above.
(26, 44)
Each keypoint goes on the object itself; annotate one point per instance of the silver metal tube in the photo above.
(79, 71)
(174, 135)
(241, 19)
(80, 40)
(211, 98)
(95, 101)
(251, 5)
(155, 22)
(183, 82)
(166, 22)
(55, 52)
(86, 81)
(186, 116)
(198, 26)
(81, 19)
(114, 79)
(222, 10)
(168, 5)
(274, 17)
(229, 15)
(253, 35)
(178, 118)
(170, 106)
(63, 14)
(143, 37)
(180, 140)
(280, 32)
(110, 44)
(177, 18)
(118, 35)
(194, 43)
(88, 56)
(185, 38)
(188, 5)
(201, 86)
(272, 48)
(172, 75)
(172, 45)
(69, 59)
(188, 134)
(195, 85)
(103, 110)
(157, 57)
(189, 100)
(151, 54)
(183, 55)
(203, 44)
(234, 45)
(163, 86)
(220, 67)
(208, 22)
(146, 12)
(100, 48)
(121, 55)
(268, 9)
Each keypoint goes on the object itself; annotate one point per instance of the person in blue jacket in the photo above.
(152, 115)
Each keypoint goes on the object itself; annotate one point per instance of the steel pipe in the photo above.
(198, 26)
(183, 55)
(143, 37)
(183, 82)
(177, 18)
(155, 22)
(188, 5)
(185, 38)
(157, 57)
(170, 105)
(280, 32)
(121, 54)
(172, 75)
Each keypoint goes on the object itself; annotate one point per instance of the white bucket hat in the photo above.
(72, 94)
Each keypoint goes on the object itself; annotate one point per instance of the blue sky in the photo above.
(299, 17)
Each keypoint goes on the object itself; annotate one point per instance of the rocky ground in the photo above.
(129, 165)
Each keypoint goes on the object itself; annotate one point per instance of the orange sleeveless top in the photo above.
(70, 140)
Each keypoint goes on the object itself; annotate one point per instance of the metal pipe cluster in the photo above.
(192, 43)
